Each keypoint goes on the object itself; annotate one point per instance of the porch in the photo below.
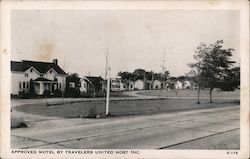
(42, 84)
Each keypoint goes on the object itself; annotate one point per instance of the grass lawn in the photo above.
(119, 108)
(191, 93)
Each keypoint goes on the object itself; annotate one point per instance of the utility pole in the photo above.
(106, 64)
(107, 75)
(62, 86)
(152, 80)
(163, 68)
(144, 79)
(108, 90)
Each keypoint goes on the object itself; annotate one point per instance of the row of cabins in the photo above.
(90, 83)
(50, 76)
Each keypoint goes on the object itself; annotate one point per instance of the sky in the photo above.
(80, 39)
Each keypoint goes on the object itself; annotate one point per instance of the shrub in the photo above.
(46, 93)
(72, 92)
(57, 93)
(24, 94)
(92, 113)
(18, 123)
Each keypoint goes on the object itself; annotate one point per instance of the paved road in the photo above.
(216, 128)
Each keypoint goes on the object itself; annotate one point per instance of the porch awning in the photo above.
(41, 79)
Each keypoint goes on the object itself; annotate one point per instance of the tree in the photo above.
(213, 67)
(75, 91)
(32, 88)
(144, 75)
(139, 74)
(126, 75)
(231, 81)
(197, 67)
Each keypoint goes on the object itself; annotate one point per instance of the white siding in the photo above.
(139, 84)
(178, 85)
(17, 77)
(123, 86)
(83, 87)
(31, 75)
(61, 79)
(187, 85)
(51, 75)
(23, 77)
(156, 84)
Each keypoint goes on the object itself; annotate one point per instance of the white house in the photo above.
(131, 85)
(45, 75)
(83, 87)
(156, 84)
(123, 85)
(186, 85)
(178, 85)
(139, 85)
(91, 84)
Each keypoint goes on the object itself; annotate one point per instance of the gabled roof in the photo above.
(94, 79)
(41, 67)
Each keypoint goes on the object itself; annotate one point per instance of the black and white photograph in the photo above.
(111, 81)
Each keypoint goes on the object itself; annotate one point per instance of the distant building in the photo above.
(104, 85)
(115, 84)
(45, 75)
(186, 85)
(139, 84)
(131, 86)
(124, 85)
(178, 85)
(91, 84)
(157, 84)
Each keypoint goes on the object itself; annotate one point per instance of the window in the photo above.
(50, 71)
(41, 75)
(20, 85)
(60, 86)
(26, 75)
(31, 69)
(24, 85)
(71, 85)
(85, 85)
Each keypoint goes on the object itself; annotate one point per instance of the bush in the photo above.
(72, 92)
(24, 94)
(18, 123)
(46, 93)
(57, 93)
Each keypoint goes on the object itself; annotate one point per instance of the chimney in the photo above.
(55, 61)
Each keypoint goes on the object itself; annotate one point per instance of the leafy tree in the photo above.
(213, 68)
(196, 68)
(144, 75)
(231, 81)
(139, 74)
(73, 92)
(32, 88)
(126, 75)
